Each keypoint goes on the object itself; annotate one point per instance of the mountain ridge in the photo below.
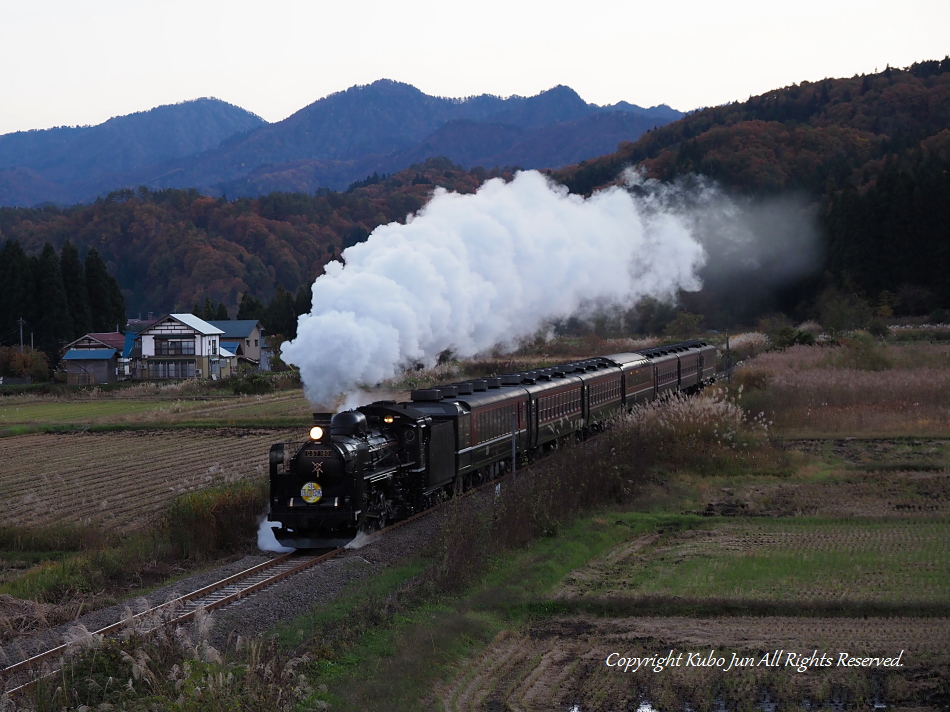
(124, 143)
(340, 138)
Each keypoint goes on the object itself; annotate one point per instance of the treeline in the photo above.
(57, 299)
(789, 138)
(53, 299)
(278, 317)
(891, 238)
(172, 249)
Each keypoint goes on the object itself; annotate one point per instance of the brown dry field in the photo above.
(121, 480)
(835, 392)
(867, 478)
(873, 447)
(559, 664)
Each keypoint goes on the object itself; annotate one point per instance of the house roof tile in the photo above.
(199, 325)
(236, 328)
(89, 354)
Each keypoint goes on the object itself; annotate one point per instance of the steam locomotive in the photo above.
(363, 468)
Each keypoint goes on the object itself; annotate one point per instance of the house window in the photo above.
(174, 347)
(214, 347)
(248, 342)
(171, 369)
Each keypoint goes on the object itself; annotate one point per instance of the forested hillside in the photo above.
(171, 249)
(869, 155)
(872, 152)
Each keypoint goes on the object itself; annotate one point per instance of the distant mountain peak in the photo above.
(216, 147)
(205, 103)
(380, 86)
(560, 90)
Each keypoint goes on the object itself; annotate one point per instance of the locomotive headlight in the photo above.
(316, 432)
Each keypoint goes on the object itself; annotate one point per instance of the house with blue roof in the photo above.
(245, 338)
(176, 346)
(96, 358)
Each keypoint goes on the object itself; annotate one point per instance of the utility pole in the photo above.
(21, 322)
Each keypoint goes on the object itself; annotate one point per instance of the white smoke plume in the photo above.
(776, 237)
(471, 272)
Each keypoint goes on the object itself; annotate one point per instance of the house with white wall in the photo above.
(179, 346)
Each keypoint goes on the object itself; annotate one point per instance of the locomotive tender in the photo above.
(362, 468)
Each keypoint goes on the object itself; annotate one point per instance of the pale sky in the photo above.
(68, 63)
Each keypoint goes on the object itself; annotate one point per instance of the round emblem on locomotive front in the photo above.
(311, 492)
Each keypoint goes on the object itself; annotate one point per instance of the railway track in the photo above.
(18, 678)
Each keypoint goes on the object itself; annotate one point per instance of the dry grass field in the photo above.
(866, 572)
(151, 408)
(780, 560)
(805, 510)
(560, 664)
(860, 388)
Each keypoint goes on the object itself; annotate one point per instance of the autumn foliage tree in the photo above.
(31, 363)
(172, 249)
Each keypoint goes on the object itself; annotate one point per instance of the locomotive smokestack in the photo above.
(471, 272)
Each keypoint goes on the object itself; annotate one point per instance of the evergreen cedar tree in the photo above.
(58, 297)
(872, 154)
(74, 280)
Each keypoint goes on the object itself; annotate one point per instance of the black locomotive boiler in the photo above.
(362, 468)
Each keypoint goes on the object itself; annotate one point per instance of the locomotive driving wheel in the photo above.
(383, 511)
(378, 514)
